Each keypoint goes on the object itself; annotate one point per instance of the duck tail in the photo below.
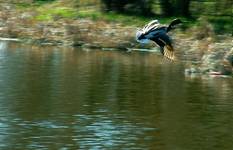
(173, 24)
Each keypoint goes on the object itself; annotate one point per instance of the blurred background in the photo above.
(216, 12)
(219, 13)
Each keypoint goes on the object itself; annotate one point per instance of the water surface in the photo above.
(67, 98)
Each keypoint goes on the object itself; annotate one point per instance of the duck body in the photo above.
(157, 32)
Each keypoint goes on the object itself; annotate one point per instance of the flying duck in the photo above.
(158, 33)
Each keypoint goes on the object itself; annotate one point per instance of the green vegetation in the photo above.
(222, 24)
(60, 12)
(216, 13)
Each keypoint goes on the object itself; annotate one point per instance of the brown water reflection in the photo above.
(65, 98)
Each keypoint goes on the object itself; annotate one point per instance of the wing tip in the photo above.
(168, 52)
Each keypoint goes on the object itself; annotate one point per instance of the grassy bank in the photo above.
(48, 11)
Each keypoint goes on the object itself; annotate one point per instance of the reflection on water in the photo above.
(56, 98)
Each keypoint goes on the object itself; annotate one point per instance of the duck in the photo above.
(158, 33)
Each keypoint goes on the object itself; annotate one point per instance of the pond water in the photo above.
(67, 98)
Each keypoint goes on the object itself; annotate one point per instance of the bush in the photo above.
(141, 7)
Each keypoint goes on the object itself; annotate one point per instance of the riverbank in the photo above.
(199, 47)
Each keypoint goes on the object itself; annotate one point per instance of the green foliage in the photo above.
(36, 3)
(175, 7)
(59, 12)
(43, 0)
(222, 24)
(218, 13)
(141, 7)
(23, 5)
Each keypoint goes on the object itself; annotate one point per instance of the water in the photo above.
(57, 98)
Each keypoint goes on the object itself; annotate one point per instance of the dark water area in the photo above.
(68, 98)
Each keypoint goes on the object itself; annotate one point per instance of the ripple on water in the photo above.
(104, 132)
(59, 99)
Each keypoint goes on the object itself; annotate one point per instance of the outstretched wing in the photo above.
(149, 31)
(168, 52)
(153, 28)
